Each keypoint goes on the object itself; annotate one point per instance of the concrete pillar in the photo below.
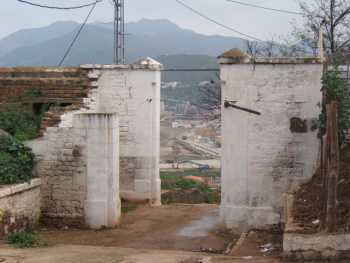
(102, 203)
(133, 92)
(263, 157)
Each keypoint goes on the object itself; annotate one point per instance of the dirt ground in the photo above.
(308, 201)
(167, 234)
(173, 227)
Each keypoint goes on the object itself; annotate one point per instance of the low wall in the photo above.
(298, 246)
(19, 206)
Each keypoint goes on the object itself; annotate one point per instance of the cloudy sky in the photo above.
(259, 23)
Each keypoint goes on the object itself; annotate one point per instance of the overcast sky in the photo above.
(260, 23)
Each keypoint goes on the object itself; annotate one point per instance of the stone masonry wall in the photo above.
(19, 206)
(266, 155)
(62, 168)
(130, 91)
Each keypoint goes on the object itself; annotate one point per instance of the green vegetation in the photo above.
(175, 180)
(336, 90)
(193, 172)
(22, 125)
(128, 207)
(33, 93)
(16, 161)
(24, 239)
(188, 191)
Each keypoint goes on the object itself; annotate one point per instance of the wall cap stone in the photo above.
(143, 64)
(236, 56)
(8, 190)
(38, 69)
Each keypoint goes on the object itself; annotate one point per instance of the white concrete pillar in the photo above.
(102, 203)
(263, 157)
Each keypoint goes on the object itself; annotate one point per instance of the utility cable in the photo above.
(217, 23)
(77, 35)
(266, 8)
(59, 7)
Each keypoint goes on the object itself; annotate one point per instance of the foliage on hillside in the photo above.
(22, 125)
(16, 161)
(336, 90)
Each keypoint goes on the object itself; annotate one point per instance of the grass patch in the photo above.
(187, 191)
(175, 179)
(193, 172)
(181, 183)
(128, 207)
(26, 238)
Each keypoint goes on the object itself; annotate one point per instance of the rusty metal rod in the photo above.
(232, 105)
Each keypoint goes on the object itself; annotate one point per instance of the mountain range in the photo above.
(161, 39)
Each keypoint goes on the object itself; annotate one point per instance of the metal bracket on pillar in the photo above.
(232, 104)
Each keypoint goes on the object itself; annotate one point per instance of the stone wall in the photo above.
(32, 88)
(65, 161)
(19, 206)
(57, 85)
(263, 156)
(79, 168)
(133, 91)
(62, 168)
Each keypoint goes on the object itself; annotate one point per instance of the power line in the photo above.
(266, 8)
(59, 7)
(77, 35)
(216, 22)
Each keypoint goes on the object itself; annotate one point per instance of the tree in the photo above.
(334, 17)
(209, 95)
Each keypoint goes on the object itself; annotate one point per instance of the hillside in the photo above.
(45, 46)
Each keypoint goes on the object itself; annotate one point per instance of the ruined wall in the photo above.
(134, 93)
(62, 169)
(19, 206)
(79, 169)
(32, 88)
(130, 91)
(267, 155)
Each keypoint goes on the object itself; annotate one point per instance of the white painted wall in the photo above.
(84, 188)
(102, 202)
(261, 157)
(134, 94)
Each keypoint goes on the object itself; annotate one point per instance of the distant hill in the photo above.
(188, 62)
(155, 38)
(33, 36)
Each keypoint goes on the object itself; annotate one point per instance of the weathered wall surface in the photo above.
(67, 165)
(62, 168)
(19, 206)
(102, 201)
(134, 93)
(79, 168)
(267, 155)
(32, 88)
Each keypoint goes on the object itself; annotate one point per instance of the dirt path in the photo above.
(173, 227)
(167, 234)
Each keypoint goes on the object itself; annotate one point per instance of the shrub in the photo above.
(21, 125)
(336, 90)
(16, 161)
(24, 239)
